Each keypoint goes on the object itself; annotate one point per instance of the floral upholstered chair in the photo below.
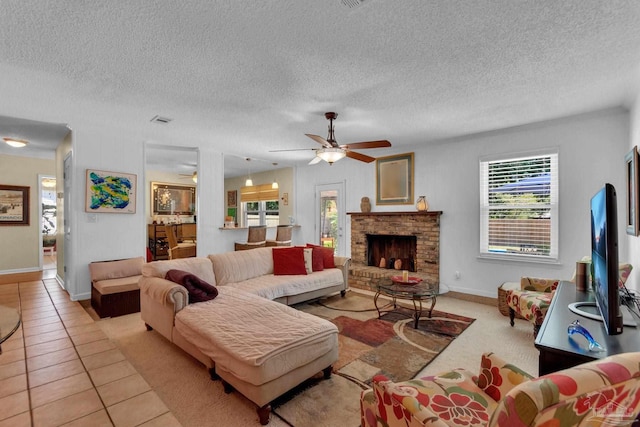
(533, 298)
(592, 394)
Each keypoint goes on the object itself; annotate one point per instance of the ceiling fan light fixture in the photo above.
(331, 155)
(17, 143)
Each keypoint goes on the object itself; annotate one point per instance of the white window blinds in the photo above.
(519, 206)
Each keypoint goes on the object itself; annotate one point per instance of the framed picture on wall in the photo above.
(232, 199)
(110, 192)
(632, 214)
(173, 199)
(14, 205)
(394, 180)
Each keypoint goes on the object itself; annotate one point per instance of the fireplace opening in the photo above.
(392, 248)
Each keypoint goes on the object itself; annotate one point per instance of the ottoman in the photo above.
(260, 347)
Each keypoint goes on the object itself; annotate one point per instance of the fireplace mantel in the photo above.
(395, 213)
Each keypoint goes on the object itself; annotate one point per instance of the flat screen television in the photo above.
(604, 257)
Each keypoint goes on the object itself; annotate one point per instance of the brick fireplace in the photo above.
(412, 237)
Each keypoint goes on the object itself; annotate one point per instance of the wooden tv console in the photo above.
(559, 351)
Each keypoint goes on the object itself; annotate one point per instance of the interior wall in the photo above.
(591, 152)
(21, 243)
(633, 242)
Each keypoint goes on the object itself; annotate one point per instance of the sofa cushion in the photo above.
(288, 261)
(198, 266)
(198, 289)
(273, 287)
(230, 267)
(115, 286)
(327, 255)
(104, 270)
(254, 339)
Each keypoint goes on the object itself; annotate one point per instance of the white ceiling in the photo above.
(250, 77)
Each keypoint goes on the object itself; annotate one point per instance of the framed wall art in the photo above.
(394, 180)
(232, 199)
(110, 192)
(632, 214)
(173, 199)
(14, 205)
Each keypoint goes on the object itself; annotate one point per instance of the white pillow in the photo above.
(308, 260)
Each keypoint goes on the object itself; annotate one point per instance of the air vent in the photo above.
(352, 4)
(161, 120)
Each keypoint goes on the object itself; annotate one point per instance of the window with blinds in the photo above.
(260, 205)
(519, 206)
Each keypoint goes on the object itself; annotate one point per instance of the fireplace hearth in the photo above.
(412, 237)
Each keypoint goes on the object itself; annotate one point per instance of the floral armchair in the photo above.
(598, 393)
(533, 298)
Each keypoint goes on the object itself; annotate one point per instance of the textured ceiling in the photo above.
(250, 77)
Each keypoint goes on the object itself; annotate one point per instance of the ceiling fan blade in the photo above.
(315, 160)
(292, 149)
(320, 140)
(367, 144)
(359, 156)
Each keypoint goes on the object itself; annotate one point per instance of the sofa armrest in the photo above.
(343, 264)
(165, 292)
(497, 377)
(398, 404)
(598, 391)
(537, 284)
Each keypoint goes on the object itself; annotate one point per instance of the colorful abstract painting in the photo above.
(110, 192)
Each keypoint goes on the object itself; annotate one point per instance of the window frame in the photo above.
(553, 206)
(262, 212)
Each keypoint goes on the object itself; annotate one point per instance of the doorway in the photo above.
(48, 221)
(330, 216)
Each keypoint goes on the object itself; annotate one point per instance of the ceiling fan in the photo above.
(193, 176)
(331, 151)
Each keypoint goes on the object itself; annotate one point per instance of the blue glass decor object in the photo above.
(577, 328)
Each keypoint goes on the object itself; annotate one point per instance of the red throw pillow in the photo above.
(288, 261)
(317, 259)
(327, 255)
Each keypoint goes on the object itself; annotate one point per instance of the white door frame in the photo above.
(339, 187)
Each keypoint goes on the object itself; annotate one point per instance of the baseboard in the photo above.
(473, 298)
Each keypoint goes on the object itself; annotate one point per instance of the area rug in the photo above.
(368, 346)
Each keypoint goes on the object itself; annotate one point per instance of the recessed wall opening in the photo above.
(392, 249)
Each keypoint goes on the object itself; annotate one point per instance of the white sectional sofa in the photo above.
(247, 335)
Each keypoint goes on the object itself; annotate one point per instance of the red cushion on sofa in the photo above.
(287, 261)
(327, 255)
(317, 259)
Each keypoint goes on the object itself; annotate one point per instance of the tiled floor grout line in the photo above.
(64, 311)
(75, 349)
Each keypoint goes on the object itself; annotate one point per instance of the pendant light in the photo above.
(275, 185)
(249, 181)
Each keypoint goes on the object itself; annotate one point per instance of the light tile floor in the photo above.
(60, 369)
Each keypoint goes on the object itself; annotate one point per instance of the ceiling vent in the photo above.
(161, 120)
(352, 4)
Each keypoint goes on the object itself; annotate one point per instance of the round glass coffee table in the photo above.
(413, 289)
(9, 323)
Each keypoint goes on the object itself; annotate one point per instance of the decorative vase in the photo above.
(422, 204)
(397, 265)
(383, 263)
(365, 204)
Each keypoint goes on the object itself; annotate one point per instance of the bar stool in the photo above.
(257, 238)
(283, 236)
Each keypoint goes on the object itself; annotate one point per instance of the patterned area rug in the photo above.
(391, 346)
(368, 346)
